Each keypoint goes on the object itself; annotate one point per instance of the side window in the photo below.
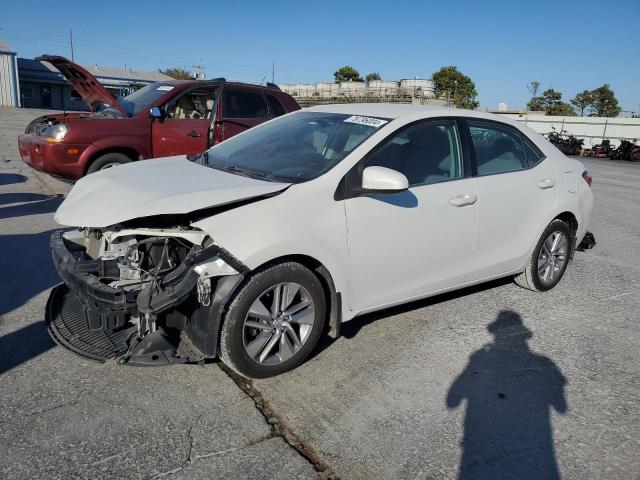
(426, 153)
(193, 105)
(497, 149)
(276, 108)
(534, 155)
(243, 104)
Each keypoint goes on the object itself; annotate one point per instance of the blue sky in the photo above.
(502, 45)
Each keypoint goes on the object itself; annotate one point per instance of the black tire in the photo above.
(232, 348)
(531, 278)
(108, 160)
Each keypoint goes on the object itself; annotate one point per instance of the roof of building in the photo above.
(129, 73)
(4, 48)
(34, 70)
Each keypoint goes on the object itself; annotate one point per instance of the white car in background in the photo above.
(250, 251)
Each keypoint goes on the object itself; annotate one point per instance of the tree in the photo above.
(177, 73)
(551, 102)
(373, 76)
(604, 102)
(452, 83)
(347, 74)
(533, 88)
(582, 101)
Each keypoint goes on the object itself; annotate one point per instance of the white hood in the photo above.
(171, 185)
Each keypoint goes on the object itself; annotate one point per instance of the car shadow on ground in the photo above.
(11, 178)
(509, 392)
(27, 271)
(351, 328)
(22, 204)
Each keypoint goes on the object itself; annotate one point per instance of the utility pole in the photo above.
(71, 43)
(200, 69)
(273, 72)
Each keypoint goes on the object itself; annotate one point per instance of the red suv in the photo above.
(177, 117)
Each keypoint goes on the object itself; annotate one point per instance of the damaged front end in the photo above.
(147, 296)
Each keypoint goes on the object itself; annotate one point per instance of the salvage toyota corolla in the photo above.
(252, 250)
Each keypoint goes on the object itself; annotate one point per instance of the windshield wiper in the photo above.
(240, 171)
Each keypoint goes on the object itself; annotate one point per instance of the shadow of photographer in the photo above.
(509, 392)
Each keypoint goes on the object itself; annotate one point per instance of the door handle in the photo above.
(193, 134)
(546, 183)
(463, 200)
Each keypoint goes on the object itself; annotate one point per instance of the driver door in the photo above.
(406, 245)
(185, 128)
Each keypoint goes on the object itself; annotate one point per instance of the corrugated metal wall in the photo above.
(592, 129)
(9, 96)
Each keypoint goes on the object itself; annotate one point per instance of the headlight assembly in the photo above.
(56, 133)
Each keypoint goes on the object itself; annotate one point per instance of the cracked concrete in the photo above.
(372, 404)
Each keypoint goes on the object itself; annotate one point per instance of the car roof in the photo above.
(399, 110)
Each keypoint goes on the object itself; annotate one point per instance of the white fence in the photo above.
(591, 129)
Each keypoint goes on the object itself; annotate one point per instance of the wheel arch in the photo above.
(130, 152)
(333, 297)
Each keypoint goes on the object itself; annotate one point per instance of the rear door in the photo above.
(241, 109)
(185, 128)
(517, 192)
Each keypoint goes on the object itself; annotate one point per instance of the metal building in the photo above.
(9, 85)
(33, 84)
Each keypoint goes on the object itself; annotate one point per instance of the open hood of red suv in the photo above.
(85, 84)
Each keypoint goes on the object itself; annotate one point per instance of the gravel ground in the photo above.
(490, 382)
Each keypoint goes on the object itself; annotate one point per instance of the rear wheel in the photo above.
(549, 260)
(108, 160)
(274, 322)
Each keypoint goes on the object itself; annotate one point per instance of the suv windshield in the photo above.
(295, 148)
(139, 100)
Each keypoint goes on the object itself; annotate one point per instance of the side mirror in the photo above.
(383, 180)
(156, 112)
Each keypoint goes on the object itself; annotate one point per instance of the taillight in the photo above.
(587, 178)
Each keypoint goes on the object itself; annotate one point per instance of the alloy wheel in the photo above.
(552, 257)
(278, 323)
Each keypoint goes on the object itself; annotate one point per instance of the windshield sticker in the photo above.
(165, 88)
(369, 121)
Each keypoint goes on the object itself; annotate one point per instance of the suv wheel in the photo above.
(108, 160)
(549, 260)
(274, 322)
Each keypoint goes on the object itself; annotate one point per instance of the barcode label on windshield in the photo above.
(370, 121)
(165, 88)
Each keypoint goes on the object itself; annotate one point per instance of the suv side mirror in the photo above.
(156, 112)
(383, 180)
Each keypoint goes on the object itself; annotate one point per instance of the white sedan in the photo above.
(252, 250)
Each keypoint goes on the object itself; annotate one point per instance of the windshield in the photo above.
(139, 100)
(294, 148)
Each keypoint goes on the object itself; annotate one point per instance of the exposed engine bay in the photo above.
(148, 296)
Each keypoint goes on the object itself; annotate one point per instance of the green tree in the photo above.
(604, 102)
(551, 102)
(452, 83)
(373, 76)
(582, 101)
(533, 88)
(347, 74)
(177, 73)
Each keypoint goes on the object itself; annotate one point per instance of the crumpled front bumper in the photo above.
(93, 319)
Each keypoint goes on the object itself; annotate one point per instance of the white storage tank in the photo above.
(417, 87)
(383, 88)
(327, 89)
(353, 89)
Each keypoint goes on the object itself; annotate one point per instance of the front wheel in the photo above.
(549, 260)
(274, 322)
(108, 160)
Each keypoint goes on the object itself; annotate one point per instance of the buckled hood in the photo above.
(165, 186)
(89, 88)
